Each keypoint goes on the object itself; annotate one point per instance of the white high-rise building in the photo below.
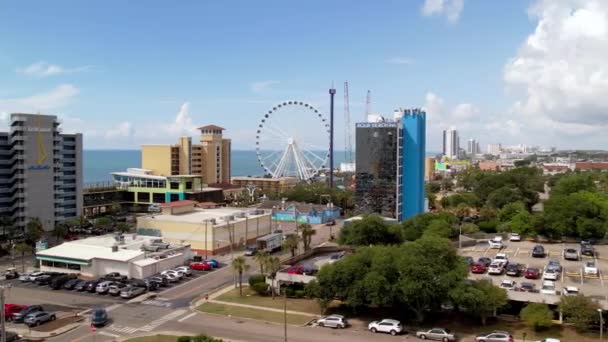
(451, 143)
(494, 149)
(473, 147)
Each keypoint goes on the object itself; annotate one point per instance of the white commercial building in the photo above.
(100, 255)
(494, 149)
(451, 143)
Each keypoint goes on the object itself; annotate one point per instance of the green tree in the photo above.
(469, 228)
(307, 232)
(7, 227)
(537, 316)
(291, 244)
(122, 227)
(273, 265)
(261, 258)
(59, 232)
(583, 214)
(370, 230)
(240, 266)
(580, 311)
(23, 248)
(503, 196)
(413, 228)
(33, 230)
(522, 223)
(509, 210)
(103, 223)
(480, 298)
(439, 228)
(572, 183)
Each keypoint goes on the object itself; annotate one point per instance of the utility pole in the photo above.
(332, 92)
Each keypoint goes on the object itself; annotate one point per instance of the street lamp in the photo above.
(601, 325)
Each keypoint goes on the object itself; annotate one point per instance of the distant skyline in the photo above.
(128, 73)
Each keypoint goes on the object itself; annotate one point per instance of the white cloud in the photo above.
(44, 69)
(53, 99)
(400, 60)
(560, 72)
(262, 86)
(183, 124)
(122, 130)
(450, 8)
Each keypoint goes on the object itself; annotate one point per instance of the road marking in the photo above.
(154, 324)
(599, 274)
(186, 317)
(108, 334)
(516, 252)
(121, 329)
(161, 303)
(113, 307)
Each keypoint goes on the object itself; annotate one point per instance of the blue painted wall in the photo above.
(312, 217)
(412, 162)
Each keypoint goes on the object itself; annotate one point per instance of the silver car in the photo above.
(333, 321)
(38, 318)
(570, 254)
(438, 334)
(495, 336)
(132, 291)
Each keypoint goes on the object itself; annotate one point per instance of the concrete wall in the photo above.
(156, 158)
(140, 272)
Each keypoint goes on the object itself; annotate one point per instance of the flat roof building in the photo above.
(40, 171)
(266, 186)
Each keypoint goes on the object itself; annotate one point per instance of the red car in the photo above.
(478, 267)
(11, 309)
(532, 273)
(296, 270)
(200, 266)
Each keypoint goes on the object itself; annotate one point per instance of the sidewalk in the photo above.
(33, 335)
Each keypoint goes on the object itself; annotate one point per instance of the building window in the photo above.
(174, 186)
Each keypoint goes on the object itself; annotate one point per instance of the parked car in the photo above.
(496, 242)
(438, 334)
(507, 284)
(172, 277)
(182, 274)
(513, 270)
(550, 274)
(39, 317)
(335, 257)
(590, 268)
(296, 269)
(532, 273)
(538, 251)
(587, 250)
(502, 258)
(515, 237)
(160, 243)
(71, 284)
(548, 339)
(201, 266)
(214, 263)
(570, 254)
(83, 285)
(115, 288)
(495, 336)
(132, 291)
(496, 268)
(251, 251)
(173, 272)
(115, 276)
(389, 326)
(11, 309)
(554, 264)
(485, 261)
(58, 282)
(24, 277)
(548, 288)
(11, 273)
(478, 268)
(20, 316)
(333, 321)
(47, 278)
(99, 317)
(33, 276)
(160, 281)
(570, 291)
(527, 287)
(184, 269)
(103, 287)
(145, 283)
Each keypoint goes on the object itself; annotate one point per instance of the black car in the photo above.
(485, 261)
(20, 316)
(81, 285)
(145, 283)
(513, 270)
(538, 251)
(92, 285)
(71, 283)
(99, 317)
(58, 282)
(115, 276)
(587, 250)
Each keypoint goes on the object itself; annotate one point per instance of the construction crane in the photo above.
(368, 104)
(348, 141)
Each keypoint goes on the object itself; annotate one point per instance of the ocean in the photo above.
(99, 164)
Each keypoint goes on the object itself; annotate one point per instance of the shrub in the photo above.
(183, 339)
(469, 228)
(537, 316)
(300, 293)
(289, 292)
(488, 226)
(260, 288)
(256, 278)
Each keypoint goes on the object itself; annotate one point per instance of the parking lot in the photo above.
(571, 275)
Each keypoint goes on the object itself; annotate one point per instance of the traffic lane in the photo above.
(30, 296)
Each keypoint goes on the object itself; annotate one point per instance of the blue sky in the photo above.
(126, 73)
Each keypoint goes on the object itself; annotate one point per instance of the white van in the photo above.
(496, 242)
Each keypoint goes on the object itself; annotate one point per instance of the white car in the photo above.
(507, 284)
(548, 339)
(24, 278)
(184, 269)
(179, 275)
(550, 274)
(570, 291)
(515, 237)
(496, 242)
(496, 268)
(501, 258)
(389, 326)
(333, 321)
(548, 288)
(590, 268)
(35, 276)
(172, 277)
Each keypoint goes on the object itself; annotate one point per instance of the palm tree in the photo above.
(291, 244)
(23, 248)
(261, 257)
(123, 227)
(59, 231)
(273, 265)
(34, 230)
(307, 233)
(239, 265)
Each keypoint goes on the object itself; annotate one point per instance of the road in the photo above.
(172, 305)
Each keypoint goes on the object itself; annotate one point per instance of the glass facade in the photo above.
(376, 168)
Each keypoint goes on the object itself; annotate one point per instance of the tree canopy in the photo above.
(370, 230)
(480, 298)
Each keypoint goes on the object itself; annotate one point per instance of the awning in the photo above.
(64, 260)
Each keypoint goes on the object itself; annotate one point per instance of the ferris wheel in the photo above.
(292, 141)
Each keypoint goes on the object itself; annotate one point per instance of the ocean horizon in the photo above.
(98, 164)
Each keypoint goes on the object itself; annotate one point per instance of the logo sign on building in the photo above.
(41, 154)
(376, 124)
(41, 245)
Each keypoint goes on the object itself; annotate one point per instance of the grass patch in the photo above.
(251, 298)
(262, 315)
(155, 338)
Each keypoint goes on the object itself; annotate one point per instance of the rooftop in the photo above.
(212, 127)
(200, 215)
(178, 203)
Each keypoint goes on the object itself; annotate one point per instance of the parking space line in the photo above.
(186, 317)
(108, 334)
(516, 252)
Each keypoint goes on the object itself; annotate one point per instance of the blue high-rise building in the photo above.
(410, 161)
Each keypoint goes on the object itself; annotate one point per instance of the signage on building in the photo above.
(41, 154)
(41, 245)
(376, 124)
(36, 129)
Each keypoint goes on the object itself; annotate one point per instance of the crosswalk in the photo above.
(126, 330)
(158, 302)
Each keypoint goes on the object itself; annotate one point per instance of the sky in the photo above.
(126, 73)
